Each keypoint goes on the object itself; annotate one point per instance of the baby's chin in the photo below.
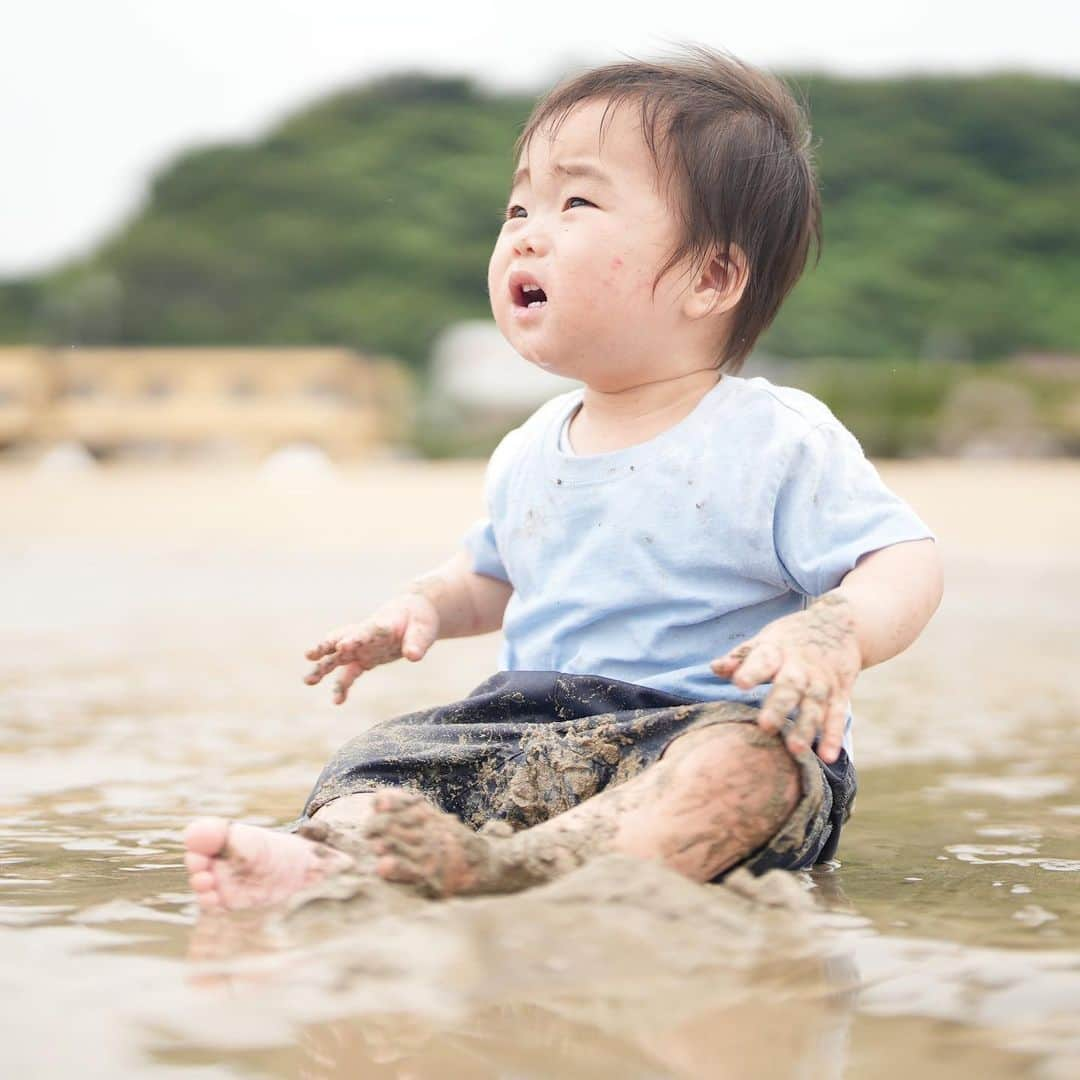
(540, 354)
(545, 364)
(537, 356)
(552, 365)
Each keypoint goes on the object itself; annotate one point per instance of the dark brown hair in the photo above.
(732, 147)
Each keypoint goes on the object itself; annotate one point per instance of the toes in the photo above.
(381, 825)
(206, 836)
(396, 800)
(385, 800)
(414, 817)
(393, 868)
(196, 862)
(409, 819)
(239, 866)
(203, 881)
(209, 900)
(412, 848)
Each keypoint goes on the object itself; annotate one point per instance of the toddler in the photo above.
(689, 567)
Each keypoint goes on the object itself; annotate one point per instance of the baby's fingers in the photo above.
(726, 665)
(419, 637)
(324, 648)
(349, 674)
(760, 666)
(343, 639)
(323, 668)
(347, 651)
(339, 650)
(784, 697)
(835, 722)
(810, 720)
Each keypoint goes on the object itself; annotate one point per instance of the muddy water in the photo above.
(152, 631)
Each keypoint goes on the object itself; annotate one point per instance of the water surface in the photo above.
(151, 671)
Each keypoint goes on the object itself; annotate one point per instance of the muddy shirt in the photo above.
(644, 564)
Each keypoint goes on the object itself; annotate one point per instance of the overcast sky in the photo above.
(95, 95)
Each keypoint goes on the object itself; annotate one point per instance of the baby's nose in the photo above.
(530, 241)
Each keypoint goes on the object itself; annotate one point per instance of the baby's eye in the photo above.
(512, 210)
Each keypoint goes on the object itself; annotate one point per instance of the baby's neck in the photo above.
(614, 420)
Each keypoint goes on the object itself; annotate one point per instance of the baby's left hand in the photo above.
(812, 658)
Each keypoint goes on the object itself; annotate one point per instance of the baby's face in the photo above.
(593, 237)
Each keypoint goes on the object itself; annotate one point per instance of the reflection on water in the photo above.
(146, 679)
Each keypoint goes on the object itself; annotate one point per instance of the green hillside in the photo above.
(951, 226)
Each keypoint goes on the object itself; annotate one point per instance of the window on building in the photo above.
(157, 387)
(242, 388)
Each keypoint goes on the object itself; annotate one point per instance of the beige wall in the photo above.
(112, 399)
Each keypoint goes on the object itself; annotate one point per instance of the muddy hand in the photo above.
(812, 658)
(406, 626)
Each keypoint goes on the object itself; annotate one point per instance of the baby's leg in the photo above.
(717, 794)
(231, 865)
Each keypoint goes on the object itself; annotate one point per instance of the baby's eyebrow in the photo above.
(565, 168)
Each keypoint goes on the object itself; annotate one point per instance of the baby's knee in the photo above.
(740, 764)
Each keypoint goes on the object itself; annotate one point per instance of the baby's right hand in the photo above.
(406, 626)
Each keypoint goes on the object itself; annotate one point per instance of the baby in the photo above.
(689, 567)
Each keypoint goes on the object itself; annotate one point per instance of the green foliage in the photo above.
(904, 408)
(19, 301)
(893, 407)
(366, 220)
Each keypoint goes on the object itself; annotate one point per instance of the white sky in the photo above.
(95, 95)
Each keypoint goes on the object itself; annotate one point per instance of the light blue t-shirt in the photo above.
(646, 563)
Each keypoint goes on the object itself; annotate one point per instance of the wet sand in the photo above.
(151, 670)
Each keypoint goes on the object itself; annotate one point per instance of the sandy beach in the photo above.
(1023, 510)
(150, 670)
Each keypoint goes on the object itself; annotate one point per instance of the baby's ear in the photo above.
(719, 285)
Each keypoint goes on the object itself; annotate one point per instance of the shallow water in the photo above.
(151, 670)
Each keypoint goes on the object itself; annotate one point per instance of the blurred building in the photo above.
(115, 400)
(478, 389)
(475, 369)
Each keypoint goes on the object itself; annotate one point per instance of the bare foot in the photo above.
(419, 845)
(241, 866)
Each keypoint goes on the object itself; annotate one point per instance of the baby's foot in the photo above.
(241, 866)
(418, 844)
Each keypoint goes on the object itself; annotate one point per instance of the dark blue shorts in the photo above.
(526, 745)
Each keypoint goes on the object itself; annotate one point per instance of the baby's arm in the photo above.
(450, 601)
(891, 594)
(813, 657)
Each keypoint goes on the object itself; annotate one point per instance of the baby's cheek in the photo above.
(613, 279)
(638, 287)
(493, 271)
(636, 282)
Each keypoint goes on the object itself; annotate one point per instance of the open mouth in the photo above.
(528, 295)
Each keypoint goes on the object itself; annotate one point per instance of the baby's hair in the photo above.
(733, 146)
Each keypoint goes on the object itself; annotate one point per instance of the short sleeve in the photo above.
(480, 543)
(832, 507)
(480, 540)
